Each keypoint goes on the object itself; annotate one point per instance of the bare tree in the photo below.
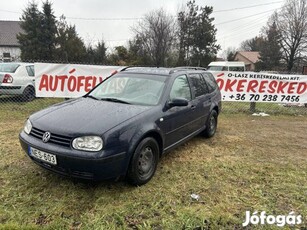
(156, 33)
(253, 44)
(291, 23)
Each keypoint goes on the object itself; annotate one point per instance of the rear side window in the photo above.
(181, 88)
(8, 67)
(199, 84)
(211, 82)
(30, 70)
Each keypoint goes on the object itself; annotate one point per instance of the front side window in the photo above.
(131, 88)
(181, 88)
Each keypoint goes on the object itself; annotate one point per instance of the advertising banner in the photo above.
(262, 87)
(69, 80)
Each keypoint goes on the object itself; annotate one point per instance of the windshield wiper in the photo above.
(114, 100)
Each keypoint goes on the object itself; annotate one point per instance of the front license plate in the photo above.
(43, 156)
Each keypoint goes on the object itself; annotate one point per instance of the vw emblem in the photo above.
(46, 137)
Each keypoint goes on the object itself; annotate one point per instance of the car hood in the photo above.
(84, 116)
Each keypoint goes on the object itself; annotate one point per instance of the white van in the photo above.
(226, 66)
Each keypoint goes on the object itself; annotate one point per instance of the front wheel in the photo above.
(144, 162)
(211, 124)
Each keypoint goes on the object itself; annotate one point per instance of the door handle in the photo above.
(193, 107)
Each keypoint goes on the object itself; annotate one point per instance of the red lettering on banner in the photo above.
(88, 86)
(62, 79)
(272, 86)
(240, 86)
(291, 87)
(282, 86)
(302, 88)
(44, 83)
(252, 85)
(220, 83)
(53, 83)
(72, 83)
(80, 82)
(229, 84)
(94, 82)
(262, 86)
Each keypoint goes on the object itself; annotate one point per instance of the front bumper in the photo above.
(113, 165)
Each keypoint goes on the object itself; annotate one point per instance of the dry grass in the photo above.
(253, 163)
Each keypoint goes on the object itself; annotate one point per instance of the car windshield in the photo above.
(131, 89)
(8, 67)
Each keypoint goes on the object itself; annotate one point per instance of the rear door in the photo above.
(28, 75)
(201, 98)
(213, 87)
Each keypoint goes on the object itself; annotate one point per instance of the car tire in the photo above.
(144, 162)
(28, 94)
(211, 124)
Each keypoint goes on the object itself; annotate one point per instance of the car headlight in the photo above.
(88, 143)
(28, 127)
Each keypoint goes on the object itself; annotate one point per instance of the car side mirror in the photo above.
(178, 102)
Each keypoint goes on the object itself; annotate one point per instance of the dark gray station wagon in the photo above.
(125, 124)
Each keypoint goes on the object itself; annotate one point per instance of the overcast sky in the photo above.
(235, 20)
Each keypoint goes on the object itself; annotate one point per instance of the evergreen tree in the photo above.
(70, 47)
(270, 51)
(37, 42)
(196, 35)
(44, 38)
(100, 52)
(137, 54)
(49, 29)
(30, 40)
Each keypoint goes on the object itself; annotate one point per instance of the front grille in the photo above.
(55, 138)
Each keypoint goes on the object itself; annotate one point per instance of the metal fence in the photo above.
(16, 105)
(25, 103)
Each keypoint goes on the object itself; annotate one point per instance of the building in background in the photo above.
(250, 58)
(9, 46)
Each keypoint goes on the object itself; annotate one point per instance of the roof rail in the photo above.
(128, 67)
(182, 68)
(135, 66)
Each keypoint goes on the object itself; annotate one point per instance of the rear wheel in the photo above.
(28, 94)
(211, 124)
(144, 162)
